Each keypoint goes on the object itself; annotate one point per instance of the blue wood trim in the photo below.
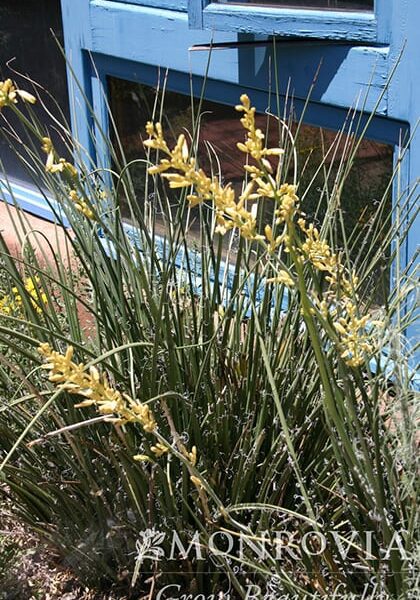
(383, 11)
(346, 72)
(99, 90)
(76, 39)
(30, 200)
(289, 22)
(406, 196)
(195, 13)
(180, 5)
(126, 69)
(403, 99)
(381, 129)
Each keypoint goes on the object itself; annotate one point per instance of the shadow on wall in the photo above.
(256, 64)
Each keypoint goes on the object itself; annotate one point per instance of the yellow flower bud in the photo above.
(26, 97)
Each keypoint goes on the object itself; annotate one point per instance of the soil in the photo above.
(30, 570)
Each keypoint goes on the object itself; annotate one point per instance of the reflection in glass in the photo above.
(27, 46)
(328, 4)
(133, 105)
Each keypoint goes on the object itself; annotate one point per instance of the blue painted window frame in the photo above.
(381, 128)
(352, 26)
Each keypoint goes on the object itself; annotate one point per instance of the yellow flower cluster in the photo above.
(254, 144)
(117, 407)
(229, 213)
(192, 456)
(318, 251)
(272, 241)
(81, 204)
(282, 278)
(61, 165)
(13, 302)
(339, 300)
(263, 182)
(160, 449)
(354, 339)
(9, 94)
(288, 203)
(53, 165)
(93, 386)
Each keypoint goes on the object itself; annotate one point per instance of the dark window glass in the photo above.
(328, 4)
(132, 106)
(26, 43)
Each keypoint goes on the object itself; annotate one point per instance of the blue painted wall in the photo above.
(151, 32)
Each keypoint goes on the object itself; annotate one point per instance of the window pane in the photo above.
(328, 4)
(220, 129)
(26, 41)
(132, 106)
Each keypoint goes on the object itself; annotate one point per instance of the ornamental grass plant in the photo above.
(229, 386)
